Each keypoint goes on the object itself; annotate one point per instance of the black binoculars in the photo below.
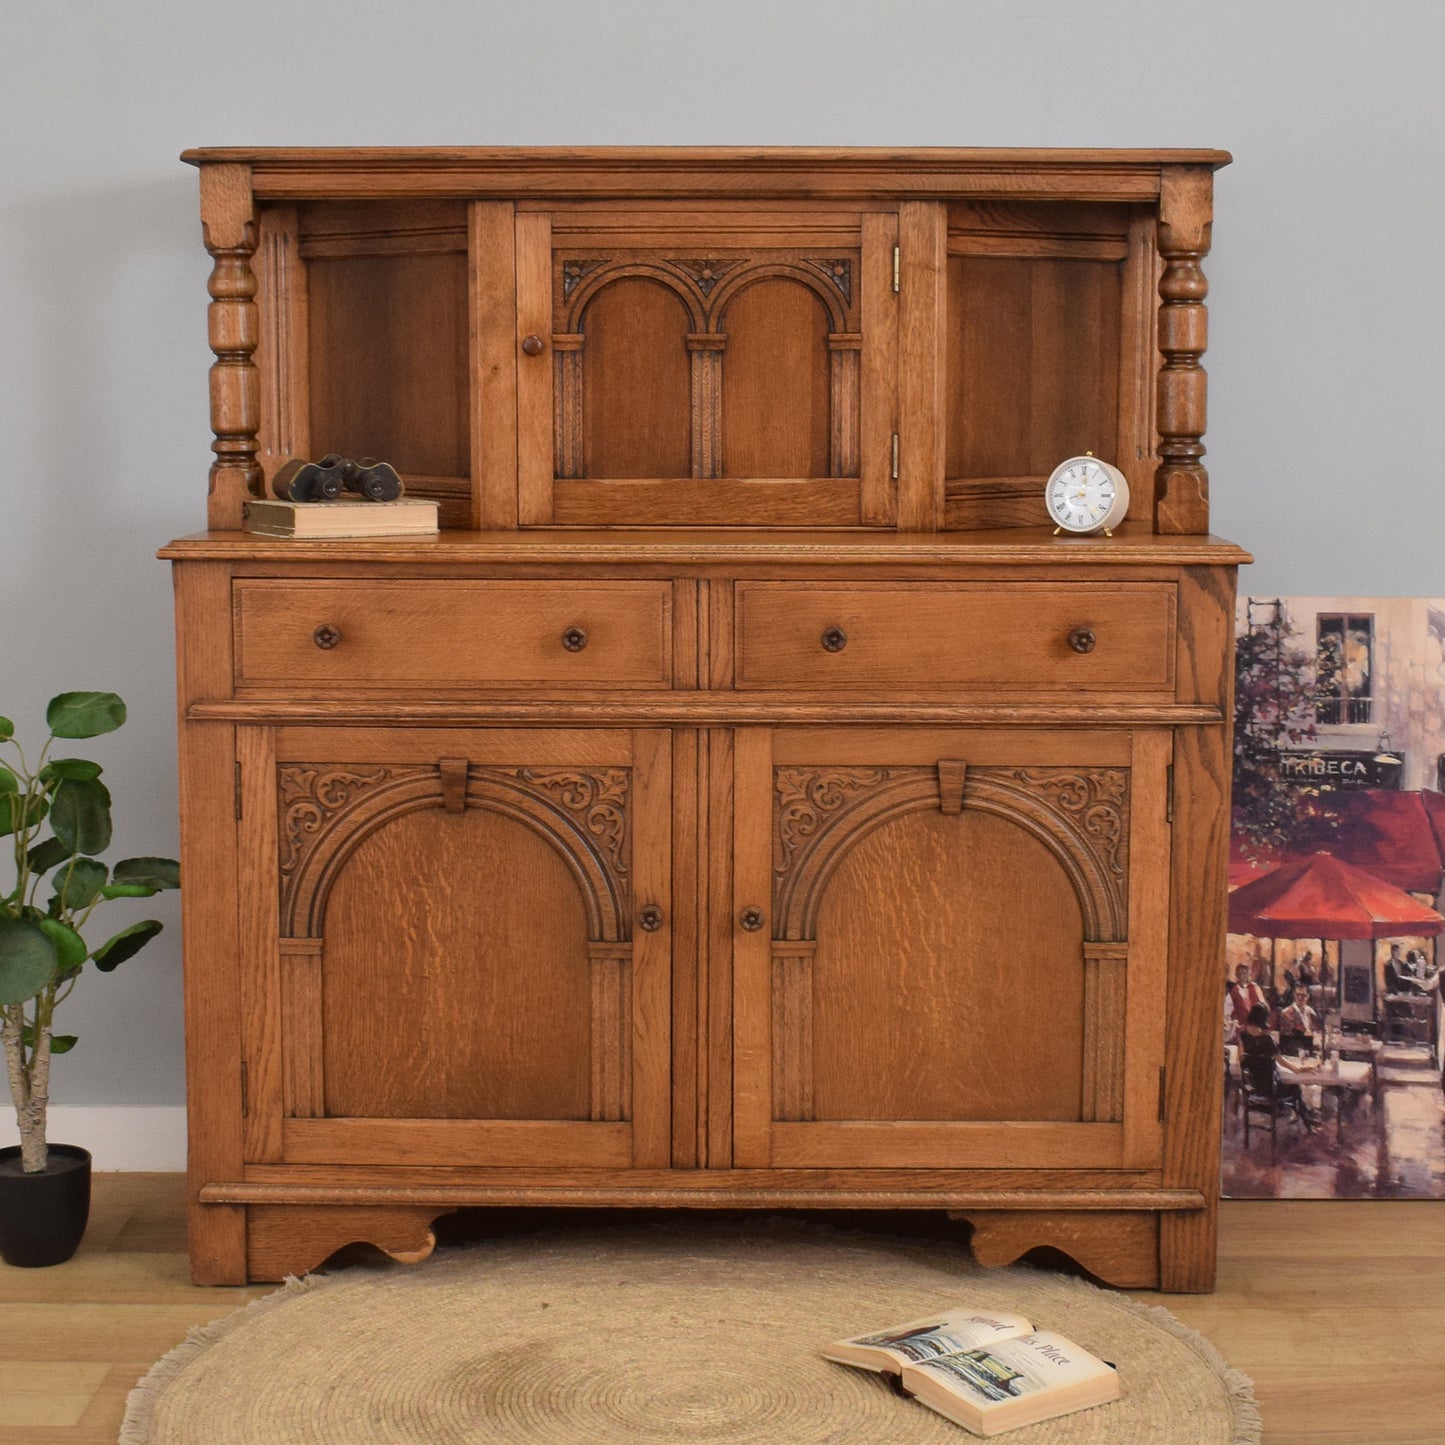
(324, 481)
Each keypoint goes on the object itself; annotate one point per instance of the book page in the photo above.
(946, 1334)
(1011, 1369)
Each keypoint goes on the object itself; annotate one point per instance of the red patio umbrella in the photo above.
(1323, 897)
(1393, 835)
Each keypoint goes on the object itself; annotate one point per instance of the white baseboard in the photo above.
(149, 1140)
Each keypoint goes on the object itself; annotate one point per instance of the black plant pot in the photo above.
(43, 1216)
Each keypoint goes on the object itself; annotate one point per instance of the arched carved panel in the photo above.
(1080, 814)
(811, 361)
(624, 385)
(583, 814)
(776, 379)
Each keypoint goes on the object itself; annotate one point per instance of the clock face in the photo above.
(1086, 495)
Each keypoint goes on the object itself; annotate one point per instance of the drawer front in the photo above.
(1031, 637)
(367, 634)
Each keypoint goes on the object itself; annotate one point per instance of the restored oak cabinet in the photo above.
(745, 801)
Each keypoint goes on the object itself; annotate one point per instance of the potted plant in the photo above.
(58, 820)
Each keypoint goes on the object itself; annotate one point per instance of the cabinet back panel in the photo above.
(455, 975)
(949, 981)
(1032, 372)
(389, 370)
(775, 393)
(637, 390)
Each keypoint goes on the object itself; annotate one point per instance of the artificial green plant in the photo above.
(43, 950)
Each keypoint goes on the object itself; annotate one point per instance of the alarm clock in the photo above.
(1084, 494)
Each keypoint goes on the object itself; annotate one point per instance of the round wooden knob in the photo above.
(751, 919)
(834, 639)
(650, 918)
(574, 639)
(532, 345)
(1082, 639)
(326, 636)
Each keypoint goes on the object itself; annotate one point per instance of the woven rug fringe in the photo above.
(136, 1428)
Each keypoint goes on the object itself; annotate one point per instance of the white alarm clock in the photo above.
(1084, 494)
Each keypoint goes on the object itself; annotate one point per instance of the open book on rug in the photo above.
(987, 1372)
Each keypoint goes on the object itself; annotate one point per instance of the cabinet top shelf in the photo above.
(1007, 547)
(711, 171)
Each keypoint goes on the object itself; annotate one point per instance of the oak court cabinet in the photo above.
(746, 801)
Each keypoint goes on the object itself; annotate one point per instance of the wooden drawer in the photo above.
(947, 636)
(369, 634)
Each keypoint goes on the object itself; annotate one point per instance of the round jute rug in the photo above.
(637, 1336)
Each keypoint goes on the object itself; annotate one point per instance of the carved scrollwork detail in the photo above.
(328, 811)
(599, 801)
(310, 798)
(839, 270)
(1097, 799)
(706, 273)
(1080, 814)
(573, 273)
(806, 796)
(705, 285)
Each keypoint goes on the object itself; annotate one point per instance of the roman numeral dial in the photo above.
(1084, 494)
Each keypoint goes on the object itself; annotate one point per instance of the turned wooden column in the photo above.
(1181, 484)
(228, 224)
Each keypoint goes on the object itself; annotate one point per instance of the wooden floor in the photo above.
(1336, 1309)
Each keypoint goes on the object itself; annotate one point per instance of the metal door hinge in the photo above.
(894, 473)
(896, 267)
(238, 791)
(245, 1092)
(1169, 793)
(1162, 1077)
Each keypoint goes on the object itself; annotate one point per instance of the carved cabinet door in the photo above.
(456, 946)
(720, 363)
(950, 948)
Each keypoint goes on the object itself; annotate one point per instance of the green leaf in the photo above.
(44, 856)
(9, 783)
(156, 873)
(16, 815)
(86, 879)
(59, 1043)
(7, 729)
(128, 890)
(84, 714)
(70, 949)
(27, 960)
(81, 769)
(126, 944)
(80, 815)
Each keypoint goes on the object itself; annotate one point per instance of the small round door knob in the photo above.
(532, 345)
(751, 919)
(650, 919)
(574, 639)
(1082, 639)
(326, 636)
(834, 639)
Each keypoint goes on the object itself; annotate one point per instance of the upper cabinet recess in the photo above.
(664, 337)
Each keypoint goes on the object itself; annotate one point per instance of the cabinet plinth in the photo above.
(693, 836)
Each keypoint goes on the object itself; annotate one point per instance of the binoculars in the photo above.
(324, 481)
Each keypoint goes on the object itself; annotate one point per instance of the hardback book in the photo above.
(406, 517)
(987, 1372)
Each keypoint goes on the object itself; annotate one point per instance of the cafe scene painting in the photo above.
(1331, 986)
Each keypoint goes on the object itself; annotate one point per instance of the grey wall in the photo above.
(1327, 371)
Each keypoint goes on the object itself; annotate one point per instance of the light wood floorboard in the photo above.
(1337, 1309)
